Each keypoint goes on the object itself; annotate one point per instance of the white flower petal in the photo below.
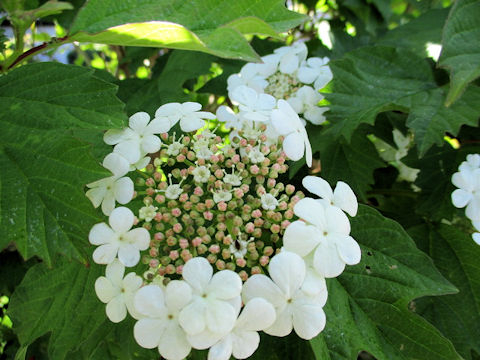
(222, 350)
(301, 238)
(159, 125)
(191, 123)
(114, 136)
(312, 212)
(244, 343)
(129, 149)
(220, 317)
(464, 180)
(121, 220)
(287, 270)
(132, 282)
(197, 272)
(336, 221)
(139, 121)
(473, 209)
(114, 272)
(192, 318)
(173, 344)
(138, 237)
(460, 198)
(116, 163)
(294, 146)
(345, 198)
(349, 250)
(204, 339)
(318, 186)
(476, 237)
(123, 190)
(283, 323)
(308, 319)
(116, 309)
(148, 332)
(225, 285)
(327, 261)
(105, 290)
(314, 285)
(96, 195)
(177, 294)
(128, 255)
(289, 63)
(108, 203)
(149, 301)
(100, 234)
(257, 314)
(150, 144)
(105, 254)
(262, 286)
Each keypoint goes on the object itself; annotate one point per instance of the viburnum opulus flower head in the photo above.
(215, 224)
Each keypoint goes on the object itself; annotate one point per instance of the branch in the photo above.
(36, 49)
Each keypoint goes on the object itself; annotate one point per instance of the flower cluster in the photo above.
(224, 246)
(467, 180)
(272, 93)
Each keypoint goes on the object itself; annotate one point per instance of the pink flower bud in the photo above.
(264, 260)
(211, 258)
(271, 183)
(170, 269)
(160, 199)
(208, 215)
(185, 255)
(177, 228)
(222, 206)
(181, 158)
(288, 214)
(135, 220)
(150, 182)
(153, 263)
(285, 224)
(183, 243)
(267, 250)
(150, 191)
(241, 262)
(153, 252)
(173, 255)
(176, 212)
(256, 214)
(254, 170)
(256, 270)
(209, 203)
(171, 241)
(179, 269)
(243, 275)
(220, 264)
(236, 158)
(238, 193)
(214, 249)
(159, 236)
(249, 228)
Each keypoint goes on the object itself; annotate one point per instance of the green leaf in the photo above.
(215, 27)
(371, 80)
(367, 308)
(461, 49)
(62, 302)
(49, 8)
(430, 119)
(42, 204)
(416, 34)
(456, 256)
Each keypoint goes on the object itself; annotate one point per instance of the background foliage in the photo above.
(416, 292)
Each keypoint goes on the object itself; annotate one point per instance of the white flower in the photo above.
(239, 248)
(325, 235)
(269, 202)
(173, 191)
(138, 139)
(293, 306)
(117, 291)
(253, 106)
(286, 122)
(116, 187)
(343, 196)
(159, 326)
(201, 174)
(140, 164)
(191, 119)
(233, 179)
(315, 70)
(202, 148)
(250, 75)
(147, 213)
(472, 162)
(305, 102)
(291, 57)
(258, 314)
(118, 238)
(468, 194)
(174, 148)
(227, 116)
(222, 195)
(255, 155)
(210, 315)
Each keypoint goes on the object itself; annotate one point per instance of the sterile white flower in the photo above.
(269, 202)
(201, 174)
(291, 57)
(325, 234)
(315, 70)
(159, 326)
(191, 119)
(472, 162)
(147, 213)
(286, 122)
(305, 101)
(138, 139)
(210, 315)
(250, 75)
(114, 188)
(117, 291)
(468, 193)
(226, 115)
(257, 314)
(118, 238)
(293, 306)
(253, 106)
(343, 196)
